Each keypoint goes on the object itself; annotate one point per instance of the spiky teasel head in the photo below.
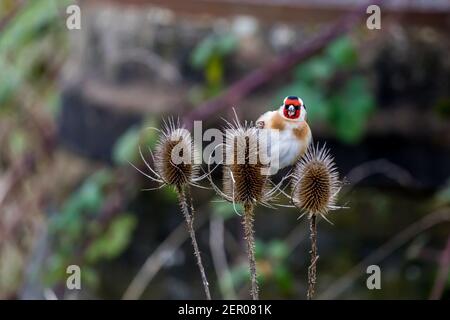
(177, 164)
(245, 178)
(176, 159)
(246, 181)
(315, 182)
(175, 155)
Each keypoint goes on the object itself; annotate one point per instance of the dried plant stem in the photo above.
(189, 217)
(312, 276)
(249, 237)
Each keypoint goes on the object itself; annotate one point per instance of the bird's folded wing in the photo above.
(265, 118)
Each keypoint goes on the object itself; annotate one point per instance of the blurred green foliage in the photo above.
(209, 56)
(273, 267)
(225, 209)
(18, 142)
(27, 47)
(113, 241)
(81, 236)
(275, 253)
(334, 91)
(126, 148)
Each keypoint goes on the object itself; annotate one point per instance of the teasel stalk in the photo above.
(245, 182)
(176, 165)
(315, 186)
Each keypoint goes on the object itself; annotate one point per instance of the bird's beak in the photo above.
(291, 110)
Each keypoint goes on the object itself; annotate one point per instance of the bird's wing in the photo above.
(265, 118)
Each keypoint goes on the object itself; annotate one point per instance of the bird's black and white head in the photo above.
(293, 108)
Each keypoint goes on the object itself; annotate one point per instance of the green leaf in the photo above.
(239, 274)
(214, 74)
(283, 278)
(226, 209)
(202, 52)
(260, 249)
(342, 52)
(126, 147)
(170, 194)
(86, 200)
(28, 23)
(315, 70)
(351, 109)
(24, 42)
(278, 250)
(114, 240)
(213, 45)
(149, 134)
(226, 44)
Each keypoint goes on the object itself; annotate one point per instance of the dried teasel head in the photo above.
(315, 182)
(176, 158)
(245, 176)
(177, 164)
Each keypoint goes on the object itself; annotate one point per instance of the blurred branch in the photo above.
(158, 258)
(381, 166)
(282, 65)
(442, 274)
(216, 243)
(402, 237)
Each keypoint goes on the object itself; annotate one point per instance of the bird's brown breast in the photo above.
(277, 122)
(302, 131)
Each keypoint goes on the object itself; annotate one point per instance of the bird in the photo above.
(293, 134)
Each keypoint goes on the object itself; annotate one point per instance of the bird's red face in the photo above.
(293, 107)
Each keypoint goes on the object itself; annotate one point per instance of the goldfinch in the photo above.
(289, 125)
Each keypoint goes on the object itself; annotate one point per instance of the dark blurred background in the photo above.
(76, 104)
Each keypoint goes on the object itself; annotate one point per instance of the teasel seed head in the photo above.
(177, 165)
(315, 182)
(244, 180)
(175, 156)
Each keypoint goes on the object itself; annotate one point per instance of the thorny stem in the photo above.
(189, 217)
(312, 276)
(249, 237)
